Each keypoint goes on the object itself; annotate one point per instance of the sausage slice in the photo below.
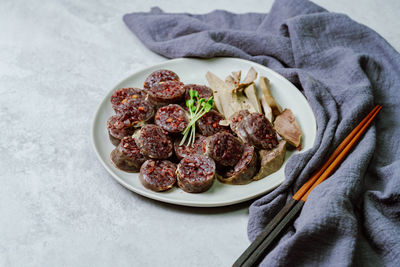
(256, 130)
(126, 156)
(204, 91)
(236, 118)
(184, 150)
(118, 127)
(208, 124)
(153, 142)
(158, 175)
(224, 148)
(160, 76)
(165, 93)
(195, 173)
(244, 170)
(137, 111)
(172, 118)
(123, 95)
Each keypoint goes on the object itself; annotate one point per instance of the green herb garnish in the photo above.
(197, 108)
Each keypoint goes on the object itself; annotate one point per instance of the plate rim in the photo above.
(160, 197)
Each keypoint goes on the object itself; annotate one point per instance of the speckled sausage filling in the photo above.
(243, 163)
(127, 156)
(244, 170)
(153, 142)
(204, 91)
(224, 148)
(165, 93)
(137, 110)
(196, 148)
(208, 124)
(160, 76)
(196, 173)
(158, 175)
(236, 118)
(260, 131)
(130, 150)
(172, 118)
(123, 95)
(118, 127)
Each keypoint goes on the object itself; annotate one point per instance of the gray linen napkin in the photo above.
(344, 69)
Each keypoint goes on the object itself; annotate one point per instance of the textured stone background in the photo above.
(58, 206)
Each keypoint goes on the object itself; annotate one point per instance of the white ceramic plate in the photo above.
(193, 71)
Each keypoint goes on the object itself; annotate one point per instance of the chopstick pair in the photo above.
(253, 254)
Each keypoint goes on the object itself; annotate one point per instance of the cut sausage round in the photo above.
(236, 118)
(244, 170)
(118, 127)
(195, 173)
(204, 91)
(172, 118)
(224, 148)
(138, 112)
(165, 93)
(208, 124)
(260, 132)
(160, 76)
(153, 142)
(123, 95)
(158, 175)
(126, 156)
(182, 151)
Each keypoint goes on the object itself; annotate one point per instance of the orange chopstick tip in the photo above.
(300, 193)
(307, 185)
(342, 155)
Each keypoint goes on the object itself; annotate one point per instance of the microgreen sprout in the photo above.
(197, 108)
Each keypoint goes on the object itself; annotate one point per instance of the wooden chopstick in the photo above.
(287, 213)
(332, 167)
(299, 194)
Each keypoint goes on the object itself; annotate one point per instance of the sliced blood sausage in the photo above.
(118, 127)
(153, 142)
(184, 150)
(160, 76)
(123, 95)
(171, 118)
(224, 148)
(126, 156)
(165, 93)
(260, 132)
(242, 133)
(204, 91)
(195, 173)
(138, 112)
(236, 118)
(244, 170)
(158, 175)
(208, 124)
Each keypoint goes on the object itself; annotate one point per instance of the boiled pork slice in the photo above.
(287, 127)
(271, 160)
